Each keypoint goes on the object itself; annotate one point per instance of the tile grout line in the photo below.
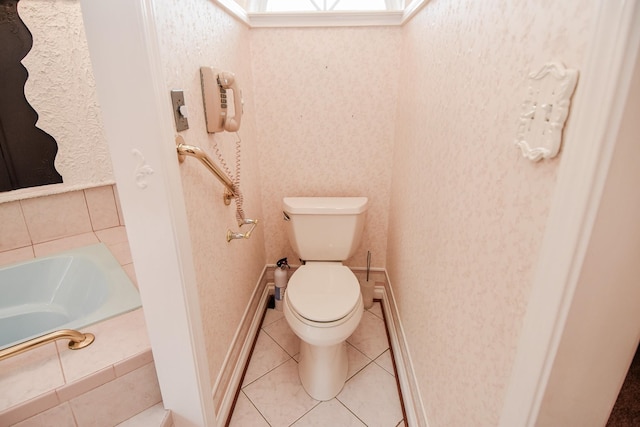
(350, 411)
(353, 375)
(255, 407)
(274, 340)
(242, 387)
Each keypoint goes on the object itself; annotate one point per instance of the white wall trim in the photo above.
(125, 55)
(411, 10)
(404, 366)
(234, 10)
(324, 19)
(240, 348)
(321, 19)
(581, 178)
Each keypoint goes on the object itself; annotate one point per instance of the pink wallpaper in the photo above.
(325, 107)
(468, 212)
(192, 34)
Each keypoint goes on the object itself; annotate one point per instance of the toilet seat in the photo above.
(323, 291)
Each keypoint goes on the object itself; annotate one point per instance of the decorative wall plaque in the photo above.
(545, 110)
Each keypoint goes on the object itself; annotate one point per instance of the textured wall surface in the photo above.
(325, 104)
(61, 89)
(192, 34)
(462, 273)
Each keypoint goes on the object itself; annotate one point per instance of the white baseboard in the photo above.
(404, 367)
(224, 392)
(243, 343)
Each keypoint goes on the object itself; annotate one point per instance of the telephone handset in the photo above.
(215, 92)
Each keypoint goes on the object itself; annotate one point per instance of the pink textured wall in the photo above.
(192, 34)
(468, 212)
(325, 107)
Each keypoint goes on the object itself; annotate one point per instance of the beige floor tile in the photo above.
(376, 309)
(370, 337)
(357, 360)
(372, 396)
(284, 336)
(385, 362)
(279, 395)
(330, 413)
(271, 316)
(246, 415)
(268, 356)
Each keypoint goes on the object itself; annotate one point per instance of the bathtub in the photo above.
(68, 290)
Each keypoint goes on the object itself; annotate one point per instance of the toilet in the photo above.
(323, 304)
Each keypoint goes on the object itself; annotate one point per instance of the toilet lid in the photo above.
(323, 293)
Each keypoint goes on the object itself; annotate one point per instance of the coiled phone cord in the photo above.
(234, 177)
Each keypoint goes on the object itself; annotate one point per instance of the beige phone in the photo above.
(215, 93)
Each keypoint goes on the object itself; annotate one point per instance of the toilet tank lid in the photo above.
(325, 205)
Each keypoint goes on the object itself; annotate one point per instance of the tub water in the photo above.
(69, 290)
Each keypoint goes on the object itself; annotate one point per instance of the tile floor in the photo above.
(272, 395)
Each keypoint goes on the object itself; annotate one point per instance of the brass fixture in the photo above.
(237, 235)
(77, 341)
(230, 189)
(198, 153)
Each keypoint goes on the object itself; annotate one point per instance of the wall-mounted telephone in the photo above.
(215, 92)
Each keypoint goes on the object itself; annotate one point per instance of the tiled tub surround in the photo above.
(92, 386)
(101, 385)
(50, 224)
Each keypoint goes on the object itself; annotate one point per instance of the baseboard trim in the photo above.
(407, 381)
(252, 319)
(224, 392)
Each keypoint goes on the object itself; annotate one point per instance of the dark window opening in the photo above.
(27, 153)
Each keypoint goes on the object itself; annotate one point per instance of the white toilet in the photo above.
(322, 304)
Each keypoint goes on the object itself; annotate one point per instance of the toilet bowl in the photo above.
(323, 306)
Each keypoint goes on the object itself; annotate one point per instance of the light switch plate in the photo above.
(177, 101)
(545, 111)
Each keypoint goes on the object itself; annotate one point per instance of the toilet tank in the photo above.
(325, 228)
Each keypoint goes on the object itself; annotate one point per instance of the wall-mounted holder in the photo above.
(191, 150)
(231, 235)
(229, 192)
(545, 111)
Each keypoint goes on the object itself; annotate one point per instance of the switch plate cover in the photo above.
(177, 100)
(545, 111)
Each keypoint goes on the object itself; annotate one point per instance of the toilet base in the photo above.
(323, 370)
